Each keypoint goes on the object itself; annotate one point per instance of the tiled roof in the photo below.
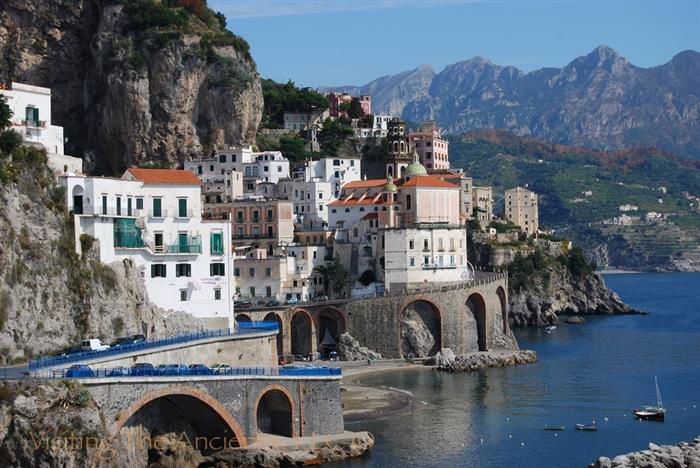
(355, 184)
(354, 200)
(428, 181)
(164, 176)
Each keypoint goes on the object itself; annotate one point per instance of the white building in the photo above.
(255, 167)
(305, 120)
(153, 217)
(31, 118)
(380, 127)
(316, 184)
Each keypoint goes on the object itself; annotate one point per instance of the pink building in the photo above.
(431, 147)
(336, 100)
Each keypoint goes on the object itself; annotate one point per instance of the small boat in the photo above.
(553, 427)
(652, 413)
(587, 427)
(548, 330)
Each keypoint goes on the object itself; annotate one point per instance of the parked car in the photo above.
(299, 357)
(79, 370)
(199, 369)
(292, 300)
(273, 303)
(221, 368)
(93, 344)
(117, 371)
(242, 304)
(68, 351)
(320, 298)
(142, 368)
(128, 340)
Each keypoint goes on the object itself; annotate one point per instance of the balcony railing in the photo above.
(34, 123)
(158, 214)
(192, 246)
(189, 213)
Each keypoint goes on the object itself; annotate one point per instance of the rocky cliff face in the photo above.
(557, 292)
(50, 298)
(131, 82)
(599, 100)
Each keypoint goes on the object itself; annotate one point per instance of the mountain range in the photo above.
(599, 100)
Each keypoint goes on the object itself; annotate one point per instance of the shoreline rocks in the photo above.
(446, 361)
(349, 349)
(684, 454)
(575, 320)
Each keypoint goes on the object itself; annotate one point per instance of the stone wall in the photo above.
(315, 402)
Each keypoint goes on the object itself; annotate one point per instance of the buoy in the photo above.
(482, 441)
(605, 419)
(556, 435)
(507, 419)
(510, 436)
(522, 444)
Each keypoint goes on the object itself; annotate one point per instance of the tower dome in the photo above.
(415, 168)
(390, 186)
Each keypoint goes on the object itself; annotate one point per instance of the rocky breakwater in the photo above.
(446, 361)
(349, 349)
(134, 81)
(685, 454)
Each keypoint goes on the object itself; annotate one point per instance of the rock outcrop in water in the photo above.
(133, 81)
(483, 360)
(672, 456)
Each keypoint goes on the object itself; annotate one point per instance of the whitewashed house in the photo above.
(154, 218)
(31, 118)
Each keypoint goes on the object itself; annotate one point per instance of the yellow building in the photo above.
(521, 209)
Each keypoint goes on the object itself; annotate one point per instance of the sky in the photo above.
(338, 42)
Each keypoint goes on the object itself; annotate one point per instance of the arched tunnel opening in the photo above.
(175, 427)
(329, 325)
(274, 414)
(302, 334)
(421, 329)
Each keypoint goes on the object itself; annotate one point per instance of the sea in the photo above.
(599, 371)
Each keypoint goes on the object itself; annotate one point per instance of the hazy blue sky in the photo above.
(334, 42)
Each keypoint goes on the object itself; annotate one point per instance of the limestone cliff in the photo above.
(133, 81)
(50, 298)
(556, 291)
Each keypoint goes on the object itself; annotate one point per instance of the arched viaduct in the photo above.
(465, 317)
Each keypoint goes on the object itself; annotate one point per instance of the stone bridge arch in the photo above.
(477, 306)
(503, 302)
(302, 330)
(420, 328)
(275, 411)
(274, 317)
(193, 402)
(330, 324)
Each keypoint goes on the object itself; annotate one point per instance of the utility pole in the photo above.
(229, 266)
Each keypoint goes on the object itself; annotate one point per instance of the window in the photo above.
(199, 170)
(426, 260)
(256, 231)
(256, 216)
(104, 204)
(31, 115)
(139, 203)
(268, 291)
(412, 261)
(239, 216)
(183, 295)
(217, 243)
(236, 271)
(336, 162)
(425, 244)
(269, 215)
(217, 269)
(410, 244)
(157, 207)
(128, 206)
(440, 247)
(252, 292)
(408, 202)
(158, 270)
(251, 272)
(240, 231)
(222, 158)
(182, 207)
(268, 271)
(119, 206)
(452, 244)
(183, 269)
(217, 294)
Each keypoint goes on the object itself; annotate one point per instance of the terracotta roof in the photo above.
(428, 181)
(364, 183)
(355, 201)
(164, 176)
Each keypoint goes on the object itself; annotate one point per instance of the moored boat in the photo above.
(553, 427)
(587, 427)
(652, 413)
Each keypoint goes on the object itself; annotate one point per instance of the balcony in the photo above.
(157, 214)
(34, 123)
(186, 214)
(439, 267)
(192, 246)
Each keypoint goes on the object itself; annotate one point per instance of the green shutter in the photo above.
(104, 205)
(182, 244)
(217, 243)
(182, 207)
(157, 212)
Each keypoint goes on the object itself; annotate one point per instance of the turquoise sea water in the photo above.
(600, 370)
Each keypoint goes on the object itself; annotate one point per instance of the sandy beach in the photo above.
(366, 402)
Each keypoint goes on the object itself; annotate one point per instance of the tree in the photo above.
(335, 276)
(293, 147)
(333, 134)
(5, 113)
